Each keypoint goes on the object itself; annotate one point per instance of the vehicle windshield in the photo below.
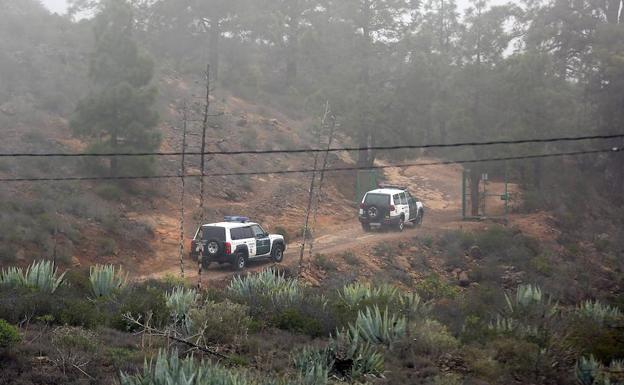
(377, 199)
(213, 232)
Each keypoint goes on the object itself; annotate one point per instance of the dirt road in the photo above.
(438, 187)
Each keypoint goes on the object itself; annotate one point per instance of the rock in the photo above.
(8, 109)
(475, 252)
(274, 122)
(464, 280)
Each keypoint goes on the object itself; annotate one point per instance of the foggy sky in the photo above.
(60, 6)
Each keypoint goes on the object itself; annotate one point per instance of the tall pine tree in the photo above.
(118, 115)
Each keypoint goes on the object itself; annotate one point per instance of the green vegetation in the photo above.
(42, 275)
(106, 280)
(9, 335)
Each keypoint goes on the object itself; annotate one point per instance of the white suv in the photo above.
(236, 241)
(391, 206)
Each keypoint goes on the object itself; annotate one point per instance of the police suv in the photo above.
(390, 206)
(236, 240)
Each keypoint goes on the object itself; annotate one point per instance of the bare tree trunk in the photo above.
(613, 11)
(114, 162)
(215, 51)
(183, 188)
(475, 180)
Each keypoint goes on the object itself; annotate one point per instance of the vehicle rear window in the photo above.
(213, 232)
(377, 199)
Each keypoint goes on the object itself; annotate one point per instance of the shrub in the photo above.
(143, 301)
(355, 357)
(432, 337)
(284, 233)
(351, 258)
(220, 322)
(9, 335)
(322, 261)
(314, 365)
(74, 347)
(106, 280)
(109, 192)
(433, 287)
(296, 321)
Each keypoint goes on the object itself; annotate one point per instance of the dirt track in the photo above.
(438, 187)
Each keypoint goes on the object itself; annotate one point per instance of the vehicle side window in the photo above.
(403, 199)
(248, 232)
(396, 199)
(237, 234)
(257, 231)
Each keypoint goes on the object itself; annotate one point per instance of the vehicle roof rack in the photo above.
(391, 186)
(235, 219)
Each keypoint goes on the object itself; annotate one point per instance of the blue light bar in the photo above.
(235, 218)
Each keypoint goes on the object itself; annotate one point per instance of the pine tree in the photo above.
(118, 115)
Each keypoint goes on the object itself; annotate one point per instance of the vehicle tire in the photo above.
(419, 218)
(213, 247)
(401, 225)
(277, 254)
(366, 227)
(240, 262)
(373, 213)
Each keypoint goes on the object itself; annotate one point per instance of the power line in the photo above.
(305, 171)
(317, 150)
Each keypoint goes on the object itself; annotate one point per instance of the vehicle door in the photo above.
(413, 207)
(405, 209)
(263, 242)
(396, 202)
(244, 235)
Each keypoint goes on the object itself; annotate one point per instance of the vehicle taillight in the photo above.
(392, 208)
(228, 248)
(362, 206)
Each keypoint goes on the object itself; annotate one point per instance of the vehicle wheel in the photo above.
(419, 219)
(240, 262)
(366, 227)
(278, 253)
(401, 225)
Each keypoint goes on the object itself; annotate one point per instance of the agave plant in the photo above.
(180, 301)
(363, 357)
(530, 299)
(354, 293)
(105, 280)
(516, 327)
(587, 370)
(598, 311)
(41, 275)
(169, 369)
(314, 365)
(13, 276)
(378, 327)
(269, 285)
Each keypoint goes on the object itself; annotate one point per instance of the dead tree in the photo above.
(183, 187)
(319, 189)
(311, 193)
(203, 171)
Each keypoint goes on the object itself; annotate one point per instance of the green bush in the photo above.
(220, 322)
(294, 320)
(74, 347)
(432, 337)
(433, 287)
(9, 335)
(322, 261)
(142, 301)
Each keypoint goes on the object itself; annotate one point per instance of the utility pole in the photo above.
(182, 193)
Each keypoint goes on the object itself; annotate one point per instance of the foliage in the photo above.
(267, 288)
(598, 311)
(180, 301)
(434, 287)
(106, 280)
(432, 337)
(74, 347)
(314, 365)
(9, 335)
(41, 275)
(220, 322)
(378, 327)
